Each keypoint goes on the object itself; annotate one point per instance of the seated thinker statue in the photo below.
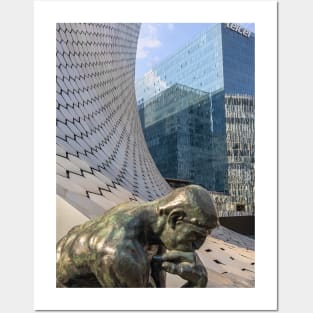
(134, 244)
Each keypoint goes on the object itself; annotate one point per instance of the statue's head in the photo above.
(190, 216)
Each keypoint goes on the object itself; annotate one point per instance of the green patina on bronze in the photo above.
(133, 245)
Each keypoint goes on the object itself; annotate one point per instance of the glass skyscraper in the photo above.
(185, 132)
(219, 58)
(218, 65)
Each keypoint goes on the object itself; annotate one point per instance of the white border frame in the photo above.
(264, 295)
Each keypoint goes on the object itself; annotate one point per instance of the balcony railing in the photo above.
(224, 213)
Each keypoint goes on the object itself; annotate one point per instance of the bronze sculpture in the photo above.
(133, 245)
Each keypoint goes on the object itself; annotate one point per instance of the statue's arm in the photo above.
(187, 265)
(157, 272)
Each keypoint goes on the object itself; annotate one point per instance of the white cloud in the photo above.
(148, 39)
(153, 82)
(154, 60)
(170, 26)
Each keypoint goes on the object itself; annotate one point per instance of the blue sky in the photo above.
(158, 41)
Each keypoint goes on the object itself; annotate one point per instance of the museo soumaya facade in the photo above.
(219, 62)
(102, 158)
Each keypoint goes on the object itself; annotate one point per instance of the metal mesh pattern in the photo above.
(102, 157)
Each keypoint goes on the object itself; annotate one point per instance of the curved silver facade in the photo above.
(102, 157)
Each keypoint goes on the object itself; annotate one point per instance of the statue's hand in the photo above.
(187, 265)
